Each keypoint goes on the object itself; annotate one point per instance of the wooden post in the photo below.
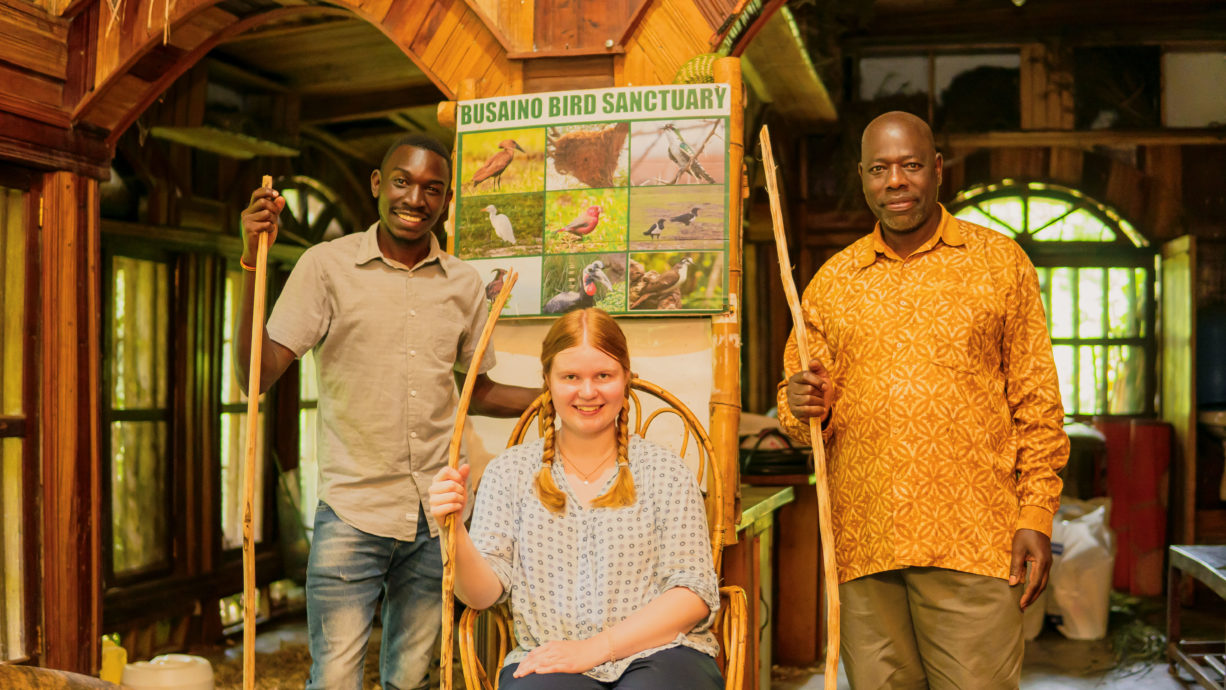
(726, 327)
(829, 572)
(253, 424)
(447, 644)
(447, 118)
(71, 494)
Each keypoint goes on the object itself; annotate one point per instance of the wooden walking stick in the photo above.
(829, 571)
(453, 461)
(253, 424)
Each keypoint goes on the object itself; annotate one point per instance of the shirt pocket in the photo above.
(447, 331)
(964, 333)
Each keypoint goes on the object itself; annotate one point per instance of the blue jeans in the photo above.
(347, 571)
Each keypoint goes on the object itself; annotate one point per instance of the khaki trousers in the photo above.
(931, 628)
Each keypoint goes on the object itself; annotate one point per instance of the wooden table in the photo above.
(748, 563)
(799, 623)
(1205, 660)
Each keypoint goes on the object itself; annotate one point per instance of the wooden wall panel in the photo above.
(1127, 190)
(582, 25)
(35, 43)
(561, 74)
(1065, 165)
(35, 88)
(1046, 88)
(516, 19)
(669, 34)
(1164, 168)
(1019, 164)
(72, 583)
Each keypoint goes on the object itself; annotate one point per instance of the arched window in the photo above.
(1096, 273)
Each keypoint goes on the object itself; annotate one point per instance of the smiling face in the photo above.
(901, 174)
(413, 189)
(588, 385)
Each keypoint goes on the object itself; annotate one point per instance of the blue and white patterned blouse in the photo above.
(571, 576)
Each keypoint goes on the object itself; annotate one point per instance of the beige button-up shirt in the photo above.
(387, 338)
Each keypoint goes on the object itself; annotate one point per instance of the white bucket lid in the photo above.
(182, 671)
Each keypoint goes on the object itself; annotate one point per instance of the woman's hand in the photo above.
(448, 494)
(564, 656)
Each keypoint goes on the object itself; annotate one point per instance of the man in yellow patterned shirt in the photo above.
(931, 370)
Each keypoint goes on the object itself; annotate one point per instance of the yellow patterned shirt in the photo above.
(946, 431)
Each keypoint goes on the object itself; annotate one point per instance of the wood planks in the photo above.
(71, 493)
(450, 42)
(580, 24)
(33, 62)
(669, 34)
(1046, 88)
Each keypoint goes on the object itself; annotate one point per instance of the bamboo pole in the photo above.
(253, 424)
(830, 573)
(725, 406)
(453, 461)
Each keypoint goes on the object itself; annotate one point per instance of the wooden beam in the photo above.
(229, 73)
(995, 21)
(335, 143)
(186, 239)
(303, 30)
(1085, 139)
(368, 104)
(45, 146)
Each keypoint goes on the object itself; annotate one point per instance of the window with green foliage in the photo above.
(13, 427)
(136, 412)
(234, 429)
(1096, 273)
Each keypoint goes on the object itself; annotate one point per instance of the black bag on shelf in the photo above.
(789, 459)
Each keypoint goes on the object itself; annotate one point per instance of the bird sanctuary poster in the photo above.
(612, 198)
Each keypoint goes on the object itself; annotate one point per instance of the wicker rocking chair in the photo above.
(732, 618)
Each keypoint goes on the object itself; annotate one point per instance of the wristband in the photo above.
(245, 266)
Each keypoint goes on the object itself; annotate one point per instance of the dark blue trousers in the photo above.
(668, 669)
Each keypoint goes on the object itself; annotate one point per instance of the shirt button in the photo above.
(412, 353)
(412, 434)
(412, 312)
(413, 393)
(409, 516)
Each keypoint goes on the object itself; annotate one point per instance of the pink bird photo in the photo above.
(591, 220)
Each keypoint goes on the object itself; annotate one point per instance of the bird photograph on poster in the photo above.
(525, 297)
(587, 156)
(677, 152)
(662, 219)
(589, 220)
(663, 281)
(578, 281)
(502, 162)
(500, 225)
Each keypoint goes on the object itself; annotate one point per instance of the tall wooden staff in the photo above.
(253, 425)
(831, 575)
(453, 461)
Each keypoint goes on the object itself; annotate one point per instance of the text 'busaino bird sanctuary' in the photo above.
(629, 103)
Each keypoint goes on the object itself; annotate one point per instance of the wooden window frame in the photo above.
(1078, 255)
(26, 426)
(171, 416)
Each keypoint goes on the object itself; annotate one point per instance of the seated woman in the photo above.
(598, 538)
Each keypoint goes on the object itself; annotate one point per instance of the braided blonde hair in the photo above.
(602, 333)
